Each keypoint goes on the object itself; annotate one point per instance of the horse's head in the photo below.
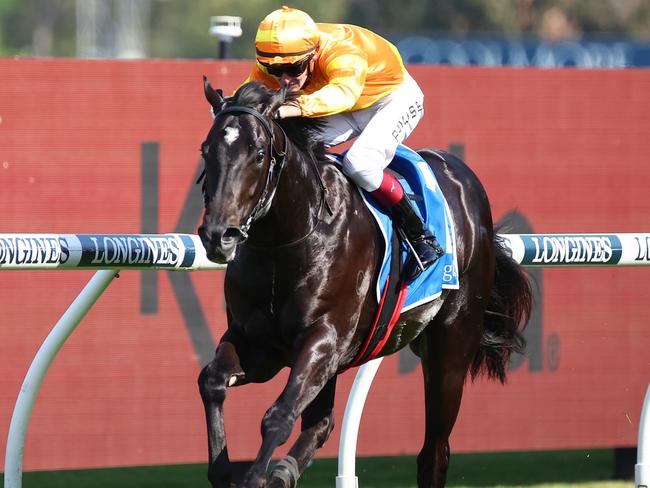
(242, 165)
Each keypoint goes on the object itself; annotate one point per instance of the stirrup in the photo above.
(414, 266)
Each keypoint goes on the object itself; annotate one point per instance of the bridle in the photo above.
(276, 165)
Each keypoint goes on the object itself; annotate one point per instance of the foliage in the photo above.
(177, 28)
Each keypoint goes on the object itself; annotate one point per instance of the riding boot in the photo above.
(391, 196)
(424, 243)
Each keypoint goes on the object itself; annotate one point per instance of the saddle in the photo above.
(394, 296)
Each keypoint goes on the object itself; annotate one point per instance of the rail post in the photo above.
(642, 468)
(40, 364)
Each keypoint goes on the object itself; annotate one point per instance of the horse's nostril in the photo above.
(232, 233)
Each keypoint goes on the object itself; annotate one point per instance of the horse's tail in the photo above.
(506, 315)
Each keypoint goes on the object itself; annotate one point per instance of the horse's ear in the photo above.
(214, 97)
(278, 99)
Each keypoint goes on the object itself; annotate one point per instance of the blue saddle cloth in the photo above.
(420, 183)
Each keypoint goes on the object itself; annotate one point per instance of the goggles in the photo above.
(290, 69)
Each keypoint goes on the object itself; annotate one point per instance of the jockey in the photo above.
(355, 82)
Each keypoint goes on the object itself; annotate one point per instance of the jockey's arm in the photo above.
(346, 75)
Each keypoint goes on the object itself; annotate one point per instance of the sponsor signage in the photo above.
(579, 385)
(130, 250)
(571, 249)
(97, 251)
(547, 250)
(26, 250)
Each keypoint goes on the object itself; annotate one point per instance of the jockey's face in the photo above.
(294, 75)
(293, 83)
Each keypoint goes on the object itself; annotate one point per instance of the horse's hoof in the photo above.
(285, 474)
(279, 481)
(253, 483)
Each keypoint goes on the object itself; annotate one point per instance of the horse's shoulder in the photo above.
(333, 173)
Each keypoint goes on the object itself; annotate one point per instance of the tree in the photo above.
(177, 28)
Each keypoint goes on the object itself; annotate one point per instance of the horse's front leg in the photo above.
(314, 366)
(317, 424)
(221, 372)
(235, 363)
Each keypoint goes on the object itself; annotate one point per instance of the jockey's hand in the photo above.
(286, 111)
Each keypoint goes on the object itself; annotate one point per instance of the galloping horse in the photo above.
(303, 254)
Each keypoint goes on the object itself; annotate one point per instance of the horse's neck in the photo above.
(295, 207)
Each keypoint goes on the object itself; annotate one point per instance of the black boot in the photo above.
(424, 243)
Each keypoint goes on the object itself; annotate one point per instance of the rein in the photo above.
(276, 165)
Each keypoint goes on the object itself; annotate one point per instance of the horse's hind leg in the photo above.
(447, 350)
(317, 424)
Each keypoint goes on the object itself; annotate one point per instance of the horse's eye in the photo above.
(260, 156)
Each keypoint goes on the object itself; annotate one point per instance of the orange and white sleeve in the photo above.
(346, 75)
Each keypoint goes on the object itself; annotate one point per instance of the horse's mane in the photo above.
(302, 131)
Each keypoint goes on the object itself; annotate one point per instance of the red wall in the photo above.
(566, 149)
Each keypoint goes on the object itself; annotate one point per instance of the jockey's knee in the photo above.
(368, 177)
(212, 383)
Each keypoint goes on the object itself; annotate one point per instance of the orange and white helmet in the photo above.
(286, 36)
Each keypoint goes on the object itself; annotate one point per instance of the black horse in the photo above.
(303, 253)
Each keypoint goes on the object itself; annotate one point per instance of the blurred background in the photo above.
(109, 143)
(546, 33)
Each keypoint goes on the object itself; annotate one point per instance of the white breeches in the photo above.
(379, 129)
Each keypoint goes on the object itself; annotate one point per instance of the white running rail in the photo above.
(108, 253)
(530, 250)
(111, 253)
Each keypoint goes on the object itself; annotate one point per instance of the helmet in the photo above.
(286, 36)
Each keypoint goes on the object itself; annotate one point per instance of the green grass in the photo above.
(556, 469)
